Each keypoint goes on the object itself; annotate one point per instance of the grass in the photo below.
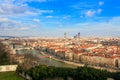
(10, 76)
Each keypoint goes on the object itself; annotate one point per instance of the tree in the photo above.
(4, 55)
(42, 72)
(116, 75)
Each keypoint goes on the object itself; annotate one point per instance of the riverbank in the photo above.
(66, 62)
(78, 64)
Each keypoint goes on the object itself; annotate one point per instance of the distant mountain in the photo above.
(13, 37)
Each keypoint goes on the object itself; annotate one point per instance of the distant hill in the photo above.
(7, 37)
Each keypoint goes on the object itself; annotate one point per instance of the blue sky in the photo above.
(52, 18)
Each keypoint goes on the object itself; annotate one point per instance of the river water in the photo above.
(45, 60)
(42, 59)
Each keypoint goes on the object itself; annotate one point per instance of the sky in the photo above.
(52, 18)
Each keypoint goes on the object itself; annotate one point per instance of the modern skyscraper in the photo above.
(79, 35)
(65, 35)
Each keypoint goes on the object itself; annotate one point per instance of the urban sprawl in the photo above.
(99, 52)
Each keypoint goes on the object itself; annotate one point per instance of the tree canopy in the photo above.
(42, 72)
(4, 56)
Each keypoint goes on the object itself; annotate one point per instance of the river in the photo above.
(45, 60)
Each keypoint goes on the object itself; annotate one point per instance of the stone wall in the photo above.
(6, 68)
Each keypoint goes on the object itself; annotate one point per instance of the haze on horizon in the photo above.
(54, 17)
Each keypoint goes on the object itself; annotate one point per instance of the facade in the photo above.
(100, 61)
(87, 51)
(76, 57)
(69, 56)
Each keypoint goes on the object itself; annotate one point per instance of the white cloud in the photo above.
(30, 13)
(37, 0)
(24, 1)
(8, 24)
(82, 5)
(101, 3)
(115, 21)
(10, 7)
(88, 9)
(45, 11)
(21, 1)
(7, 9)
(99, 11)
(66, 17)
(95, 28)
(90, 13)
(49, 17)
(4, 19)
(36, 20)
(24, 28)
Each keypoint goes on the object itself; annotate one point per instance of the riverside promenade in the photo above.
(78, 64)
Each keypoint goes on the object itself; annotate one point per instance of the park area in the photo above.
(10, 76)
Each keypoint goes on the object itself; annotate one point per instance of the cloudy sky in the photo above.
(52, 18)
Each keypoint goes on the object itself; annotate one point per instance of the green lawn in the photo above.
(10, 76)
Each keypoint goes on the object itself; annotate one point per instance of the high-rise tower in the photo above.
(79, 35)
(65, 35)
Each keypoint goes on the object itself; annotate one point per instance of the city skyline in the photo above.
(55, 17)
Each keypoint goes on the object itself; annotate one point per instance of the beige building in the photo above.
(69, 56)
(76, 57)
(109, 62)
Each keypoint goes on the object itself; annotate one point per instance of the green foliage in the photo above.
(116, 75)
(51, 71)
(42, 72)
(20, 69)
(4, 56)
(39, 72)
(87, 73)
(10, 76)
